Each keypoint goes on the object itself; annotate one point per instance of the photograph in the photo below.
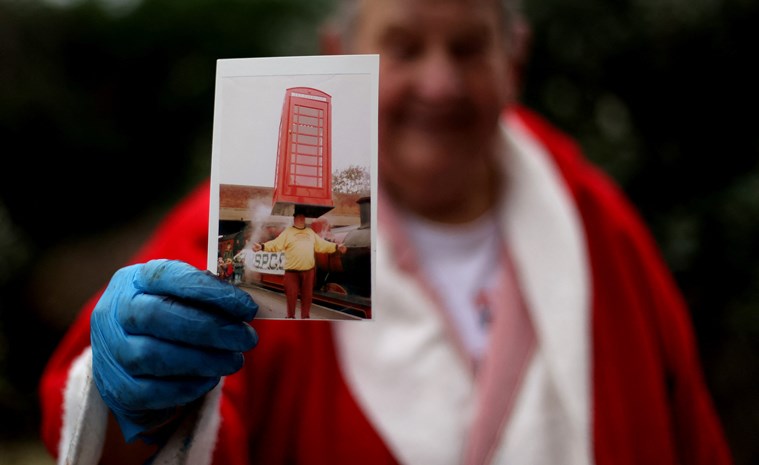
(293, 176)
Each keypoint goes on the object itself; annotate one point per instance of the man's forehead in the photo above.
(372, 11)
(419, 3)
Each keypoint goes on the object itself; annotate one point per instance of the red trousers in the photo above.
(299, 282)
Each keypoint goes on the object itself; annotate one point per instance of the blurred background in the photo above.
(106, 111)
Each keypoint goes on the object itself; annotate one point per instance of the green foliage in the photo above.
(106, 111)
(102, 114)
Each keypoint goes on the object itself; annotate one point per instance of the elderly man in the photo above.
(523, 314)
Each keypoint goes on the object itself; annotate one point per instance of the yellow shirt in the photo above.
(299, 246)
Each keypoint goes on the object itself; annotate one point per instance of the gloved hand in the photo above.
(163, 334)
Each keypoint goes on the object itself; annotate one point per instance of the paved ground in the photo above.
(272, 305)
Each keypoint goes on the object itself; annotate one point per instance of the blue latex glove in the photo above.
(163, 334)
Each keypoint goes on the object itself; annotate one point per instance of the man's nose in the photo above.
(440, 78)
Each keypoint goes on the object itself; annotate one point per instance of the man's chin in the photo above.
(432, 191)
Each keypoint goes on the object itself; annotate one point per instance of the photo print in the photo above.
(293, 175)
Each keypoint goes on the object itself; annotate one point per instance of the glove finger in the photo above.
(168, 392)
(149, 356)
(148, 393)
(172, 320)
(181, 280)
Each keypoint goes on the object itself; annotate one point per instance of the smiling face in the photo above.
(444, 80)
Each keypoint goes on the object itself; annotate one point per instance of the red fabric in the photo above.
(299, 282)
(291, 376)
(650, 402)
(290, 404)
(293, 403)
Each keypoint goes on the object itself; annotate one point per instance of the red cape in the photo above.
(290, 403)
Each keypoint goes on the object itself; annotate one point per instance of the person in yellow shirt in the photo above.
(299, 243)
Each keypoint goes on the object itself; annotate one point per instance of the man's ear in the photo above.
(520, 47)
(330, 40)
(517, 55)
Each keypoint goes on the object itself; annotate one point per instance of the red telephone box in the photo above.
(304, 154)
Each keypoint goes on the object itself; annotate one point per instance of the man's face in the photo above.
(444, 80)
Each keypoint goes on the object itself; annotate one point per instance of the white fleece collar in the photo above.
(423, 408)
(549, 250)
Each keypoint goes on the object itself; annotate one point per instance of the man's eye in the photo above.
(470, 47)
(402, 49)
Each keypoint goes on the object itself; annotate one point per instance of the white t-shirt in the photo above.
(460, 262)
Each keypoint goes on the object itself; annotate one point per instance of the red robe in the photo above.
(291, 402)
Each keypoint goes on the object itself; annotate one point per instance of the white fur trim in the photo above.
(85, 416)
(540, 432)
(85, 421)
(421, 409)
(412, 383)
(194, 441)
(547, 240)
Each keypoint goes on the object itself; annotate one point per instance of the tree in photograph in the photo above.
(352, 180)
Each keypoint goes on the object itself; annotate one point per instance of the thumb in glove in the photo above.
(163, 334)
